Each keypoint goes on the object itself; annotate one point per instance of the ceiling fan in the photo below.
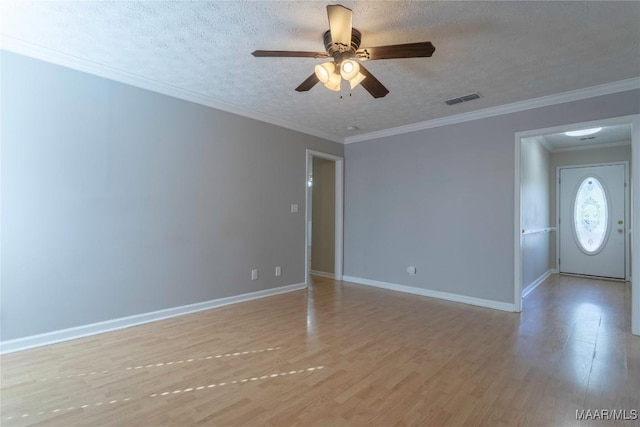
(342, 43)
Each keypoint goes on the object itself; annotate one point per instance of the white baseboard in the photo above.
(53, 337)
(497, 305)
(322, 274)
(526, 291)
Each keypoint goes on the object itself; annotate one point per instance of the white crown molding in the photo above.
(496, 305)
(53, 337)
(52, 56)
(591, 146)
(544, 143)
(575, 95)
(55, 57)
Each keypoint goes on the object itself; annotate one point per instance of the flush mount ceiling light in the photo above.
(342, 43)
(583, 132)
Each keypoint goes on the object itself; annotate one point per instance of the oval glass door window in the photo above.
(591, 215)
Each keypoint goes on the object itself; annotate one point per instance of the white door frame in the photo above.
(339, 171)
(627, 266)
(634, 121)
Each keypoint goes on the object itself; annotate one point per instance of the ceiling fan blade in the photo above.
(340, 24)
(288, 53)
(373, 85)
(308, 83)
(409, 50)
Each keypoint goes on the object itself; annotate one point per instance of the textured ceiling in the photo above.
(507, 51)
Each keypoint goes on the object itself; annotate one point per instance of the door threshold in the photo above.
(586, 276)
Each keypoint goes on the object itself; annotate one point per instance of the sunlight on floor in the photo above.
(165, 393)
(154, 365)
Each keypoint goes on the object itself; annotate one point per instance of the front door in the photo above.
(592, 228)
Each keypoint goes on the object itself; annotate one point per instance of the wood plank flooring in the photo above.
(344, 354)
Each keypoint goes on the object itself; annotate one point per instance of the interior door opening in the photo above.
(324, 216)
(576, 205)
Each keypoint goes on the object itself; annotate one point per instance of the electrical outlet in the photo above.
(278, 271)
(254, 274)
(411, 270)
(294, 208)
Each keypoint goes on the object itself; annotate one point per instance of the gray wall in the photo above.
(534, 184)
(324, 213)
(442, 199)
(118, 201)
(583, 157)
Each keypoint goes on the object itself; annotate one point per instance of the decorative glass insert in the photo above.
(591, 215)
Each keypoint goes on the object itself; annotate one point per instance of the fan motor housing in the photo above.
(335, 49)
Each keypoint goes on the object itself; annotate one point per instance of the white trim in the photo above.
(590, 147)
(635, 237)
(54, 57)
(322, 274)
(538, 231)
(339, 220)
(339, 214)
(53, 337)
(517, 223)
(526, 291)
(574, 95)
(496, 305)
(612, 121)
(544, 143)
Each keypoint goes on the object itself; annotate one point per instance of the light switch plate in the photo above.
(294, 208)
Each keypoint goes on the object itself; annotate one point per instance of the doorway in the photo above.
(533, 228)
(324, 215)
(592, 235)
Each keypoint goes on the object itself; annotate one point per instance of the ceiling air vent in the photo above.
(465, 98)
(587, 137)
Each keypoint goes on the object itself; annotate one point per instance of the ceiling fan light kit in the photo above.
(324, 71)
(357, 80)
(349, 69)
(342, 43)
(334, 82)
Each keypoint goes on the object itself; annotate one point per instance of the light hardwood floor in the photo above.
(344, 354)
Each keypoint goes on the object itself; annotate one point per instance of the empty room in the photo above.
(284, 213)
